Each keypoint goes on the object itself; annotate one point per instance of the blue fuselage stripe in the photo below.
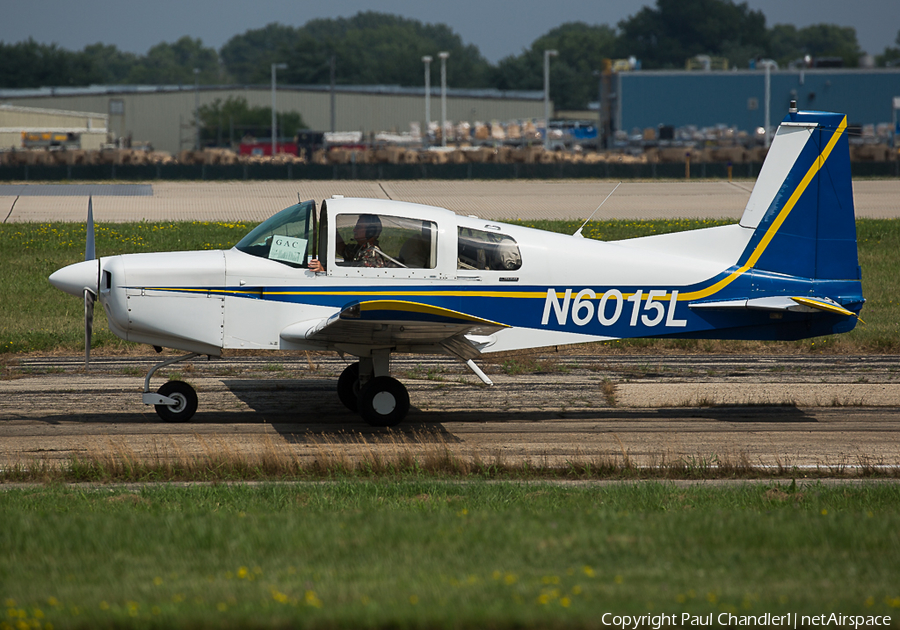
(622, 315)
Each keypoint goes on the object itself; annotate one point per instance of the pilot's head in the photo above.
(368, 228)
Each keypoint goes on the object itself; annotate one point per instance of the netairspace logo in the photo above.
(768, 620)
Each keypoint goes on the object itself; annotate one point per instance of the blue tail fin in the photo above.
(802, 205)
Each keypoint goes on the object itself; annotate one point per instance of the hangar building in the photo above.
(163, 115)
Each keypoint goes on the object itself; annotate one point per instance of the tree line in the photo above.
(378, 48)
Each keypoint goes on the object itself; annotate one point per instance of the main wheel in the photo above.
(185, 402)
(383, 401)
(348, 386)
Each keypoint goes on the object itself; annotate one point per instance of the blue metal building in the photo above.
(737, 98)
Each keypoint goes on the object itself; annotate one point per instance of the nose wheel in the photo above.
(185, 398)
(175, 401)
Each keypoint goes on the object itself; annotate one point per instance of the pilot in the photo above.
(365, 252)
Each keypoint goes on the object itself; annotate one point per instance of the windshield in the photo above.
(284, 237)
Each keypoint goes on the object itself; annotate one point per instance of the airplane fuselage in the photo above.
(577, 290)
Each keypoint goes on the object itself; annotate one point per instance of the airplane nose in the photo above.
(76, 278)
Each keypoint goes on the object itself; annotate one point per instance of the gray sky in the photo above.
(497, 27)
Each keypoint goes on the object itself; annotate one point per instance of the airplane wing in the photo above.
(397, 322)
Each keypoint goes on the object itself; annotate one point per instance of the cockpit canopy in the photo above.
(296, 234)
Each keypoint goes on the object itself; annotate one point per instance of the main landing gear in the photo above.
(366, 388)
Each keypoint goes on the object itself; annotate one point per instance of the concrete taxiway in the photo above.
(809, 413)
(495, 200)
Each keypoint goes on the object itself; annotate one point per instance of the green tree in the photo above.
(676, 30)
(369, 48)
(784, 44)
(891, 56)
(219, 120)
(787, 43)
(30, 65)
(175, 63)
(248, 58)
(110, 65)
(582, 49)
(830, 40)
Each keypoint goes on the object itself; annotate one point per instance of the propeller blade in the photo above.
(89, 253)
(89, 298)
(90, 294)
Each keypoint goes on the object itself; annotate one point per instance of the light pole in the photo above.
(196, 109)
(333, 73)
(443, 56)
(547, 55)
(895, 131)
(275, 66)
(427, 61)
(767, 64)
(599, 75)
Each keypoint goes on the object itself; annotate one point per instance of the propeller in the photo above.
(90, 293)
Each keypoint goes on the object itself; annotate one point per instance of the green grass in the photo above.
(36, 317)
(415, 553)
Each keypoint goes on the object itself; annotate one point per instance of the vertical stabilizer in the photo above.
(801, 207)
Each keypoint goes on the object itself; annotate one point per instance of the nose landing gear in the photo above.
(175, 401)
(185, 398)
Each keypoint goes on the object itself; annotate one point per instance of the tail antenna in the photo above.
(578, 231)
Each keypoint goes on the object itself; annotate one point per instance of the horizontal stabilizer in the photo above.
(778, 303)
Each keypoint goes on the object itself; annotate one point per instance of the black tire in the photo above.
(383, 402)
(348, 387)
(186, 398)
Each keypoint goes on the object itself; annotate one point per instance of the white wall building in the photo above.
(21, 126)
(164, 115)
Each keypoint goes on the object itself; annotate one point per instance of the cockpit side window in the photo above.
(284, 237)
(482, 250)
(370, 240)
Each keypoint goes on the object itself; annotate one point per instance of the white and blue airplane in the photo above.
(421, 279)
